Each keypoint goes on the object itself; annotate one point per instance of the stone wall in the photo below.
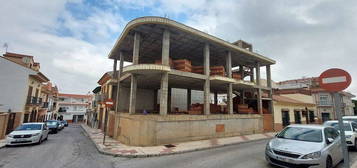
(3, 125)
(151, 130)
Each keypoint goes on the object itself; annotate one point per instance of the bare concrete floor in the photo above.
(71, 148)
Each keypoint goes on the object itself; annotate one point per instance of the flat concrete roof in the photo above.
(185, 43)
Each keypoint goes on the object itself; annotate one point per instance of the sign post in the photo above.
(108, 104)
(336, 80)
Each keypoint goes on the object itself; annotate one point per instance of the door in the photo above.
(10, 123)
(325, 116)
(297, 116)
(26, 118)
(335, 146)
(285, 118)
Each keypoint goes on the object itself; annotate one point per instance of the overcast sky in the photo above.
(72, 38)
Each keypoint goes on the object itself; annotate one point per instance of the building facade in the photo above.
(167, 55)
(20, 87)
(73, 107)
(323, 99)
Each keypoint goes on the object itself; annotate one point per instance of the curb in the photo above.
(169, 153)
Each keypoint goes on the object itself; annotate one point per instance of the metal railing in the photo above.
(325, 103)
(33, 100)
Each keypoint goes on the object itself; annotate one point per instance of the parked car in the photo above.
(28, 133)
(53, 125)
(313, 146)
(350, 131)
(61, 125)
(65, 123)
(350, 118)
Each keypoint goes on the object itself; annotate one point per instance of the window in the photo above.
(324, 100)
(331, 133)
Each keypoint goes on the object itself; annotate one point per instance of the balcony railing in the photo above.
(33, 100)
(325, 103)
(45, 105)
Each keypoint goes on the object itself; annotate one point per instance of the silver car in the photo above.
(312, 146)
(28, 133)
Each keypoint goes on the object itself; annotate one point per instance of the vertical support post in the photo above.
(230, 85)
(188, 99)
(268, 74)
(164, 93)
(133, 87)
(136, 48)
(155, 100)
(259, 91)
(115, 71)
(169, 100)
(241, 70)
(120, 72)
(165, 76)
(251, 74)
(230, 98)
(346, 163)
(215, 98)
(206, 90)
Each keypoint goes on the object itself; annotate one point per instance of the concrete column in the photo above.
(251, 74)
(164, 93)
(133, 87)
(241, 71)
(229, 64)
(259, 91)
(188, 99)
(230, 98)
(206, 89)
(155, 99)
(165, 48)
(115, 71)
(165, 56)
(269, 85)
(121, 59)
(215, 98)
(169, 100)
(136, 48)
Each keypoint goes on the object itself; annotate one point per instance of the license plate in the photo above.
(283, 159)
(20, 140)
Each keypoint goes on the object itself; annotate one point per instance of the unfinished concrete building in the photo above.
(166, 54)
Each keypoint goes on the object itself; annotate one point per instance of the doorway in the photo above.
(325, 116)
(285, 118)
(10, 123)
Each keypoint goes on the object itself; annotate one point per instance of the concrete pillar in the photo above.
(188, 99)
(251, 74)
(259, 91)
(215, 98)
(230, 98)
(163, 93)
(133, 87)
(229, 64)
(241, 71)
(269, 85)
(136, 48)
(115, 72)
(155, 99)
(165, 56)
(206, 89)
(165, 48)
(121, 59)
(169, 100)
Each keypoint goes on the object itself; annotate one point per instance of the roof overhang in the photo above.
(185, 42)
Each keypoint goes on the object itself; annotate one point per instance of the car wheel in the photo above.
(40, 140)
(46, 137)
(355, 146)
(328, 162)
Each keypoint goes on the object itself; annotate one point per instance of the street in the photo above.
(71, 148)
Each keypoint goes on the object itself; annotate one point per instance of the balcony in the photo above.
(33, 100)
(325, 103)
(45, 105)
(62, 110)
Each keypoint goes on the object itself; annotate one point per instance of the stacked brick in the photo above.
(183, 65)
(236, 75)
(196, 109)
(197, 69)
(217, 70)
(244, 109)
(215, 109)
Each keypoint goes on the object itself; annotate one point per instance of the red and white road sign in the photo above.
(109, 103)
(335, 80)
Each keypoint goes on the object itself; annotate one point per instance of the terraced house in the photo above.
(20, 86)
(167, 55)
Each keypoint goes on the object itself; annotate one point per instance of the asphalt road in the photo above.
(71, 148)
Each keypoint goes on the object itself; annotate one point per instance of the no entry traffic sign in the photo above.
(109, 103)
(335, 80)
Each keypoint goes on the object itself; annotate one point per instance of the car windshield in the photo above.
(347, 126)
(301, 134)
(28, 127)
(51, 122)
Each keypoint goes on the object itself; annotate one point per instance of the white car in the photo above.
(350, 131)
(350, 118)
(28, 133)
(313, 146)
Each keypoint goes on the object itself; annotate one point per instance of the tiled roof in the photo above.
(284, 99)
(73, 95)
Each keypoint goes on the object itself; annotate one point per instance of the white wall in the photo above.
(13, 85)
(144, 99)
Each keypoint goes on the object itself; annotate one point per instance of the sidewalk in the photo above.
(115, 148)
(2, 143)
